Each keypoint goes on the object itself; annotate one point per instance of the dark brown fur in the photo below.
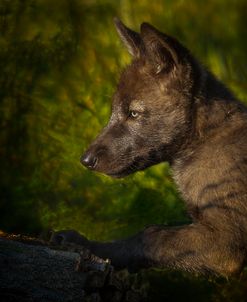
(167, 107)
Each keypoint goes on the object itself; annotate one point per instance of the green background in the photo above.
(60, 61)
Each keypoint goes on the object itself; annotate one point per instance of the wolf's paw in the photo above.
(68, 236)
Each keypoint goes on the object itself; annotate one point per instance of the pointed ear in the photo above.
(163, 51)
(130, 38)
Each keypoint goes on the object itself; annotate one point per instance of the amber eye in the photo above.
(133, 114)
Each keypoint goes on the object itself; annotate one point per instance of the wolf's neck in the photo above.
(203, 161)
(213, 106)
(212, 111)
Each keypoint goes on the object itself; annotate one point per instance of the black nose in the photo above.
(89, 160)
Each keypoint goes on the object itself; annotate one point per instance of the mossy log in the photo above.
(34, 270)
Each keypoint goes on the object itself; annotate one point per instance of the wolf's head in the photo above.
(152, 107)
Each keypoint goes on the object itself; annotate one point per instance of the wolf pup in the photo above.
(167, 107)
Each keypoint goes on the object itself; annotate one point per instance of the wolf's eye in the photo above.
(133, 114)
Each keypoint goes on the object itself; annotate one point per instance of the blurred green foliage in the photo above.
(60, 61)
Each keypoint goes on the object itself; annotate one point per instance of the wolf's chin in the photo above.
(136, 165)
(120, 174)
(131, 169)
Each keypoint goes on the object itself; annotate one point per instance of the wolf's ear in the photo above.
(162, 50)
(130, 38)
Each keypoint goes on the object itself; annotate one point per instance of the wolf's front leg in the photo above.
(68, 236)
(195, 248)
(123, 253)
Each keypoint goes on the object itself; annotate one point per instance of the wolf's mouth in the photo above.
(121, 173)
(131, 168)
(138, 164)
(117, 175)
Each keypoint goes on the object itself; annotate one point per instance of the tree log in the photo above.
(34, 270)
